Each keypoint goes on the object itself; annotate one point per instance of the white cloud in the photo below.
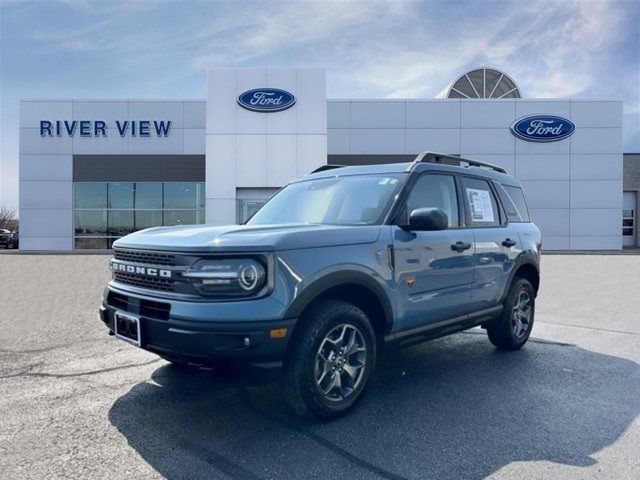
(370, 49)
(551, 52)
(389, 49)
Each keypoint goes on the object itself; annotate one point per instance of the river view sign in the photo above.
(100, 128)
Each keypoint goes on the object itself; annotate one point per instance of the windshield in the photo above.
(349, 200)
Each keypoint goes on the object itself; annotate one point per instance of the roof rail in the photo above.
(322, 168)
(445, 159)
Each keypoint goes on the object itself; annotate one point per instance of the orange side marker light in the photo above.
(278, 332)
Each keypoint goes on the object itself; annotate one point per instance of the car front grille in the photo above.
(175, 262)
(145, 257)
(153, 283)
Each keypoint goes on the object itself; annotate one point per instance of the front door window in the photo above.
(434, 191)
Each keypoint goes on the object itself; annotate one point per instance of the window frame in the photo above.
(167, 206)
(524, 199)
(504, 198)
(200, 213)
(106, 196)
(136, 185)
(76, 224)
(408, 189)
(502, 217)
(111, 186)
(388, 211)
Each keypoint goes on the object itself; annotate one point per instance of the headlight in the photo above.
(232, 277)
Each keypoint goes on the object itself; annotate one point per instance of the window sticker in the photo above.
(387, 181)
(480, 203)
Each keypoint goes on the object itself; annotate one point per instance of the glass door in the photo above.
(249, 207)
(249, 200)
(629, 219)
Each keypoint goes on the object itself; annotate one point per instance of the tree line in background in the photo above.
(8, 218)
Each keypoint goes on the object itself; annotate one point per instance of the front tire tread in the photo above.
(299, 383)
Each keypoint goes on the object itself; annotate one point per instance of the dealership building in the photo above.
(94, 170)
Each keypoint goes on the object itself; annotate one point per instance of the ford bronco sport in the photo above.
(335, 265)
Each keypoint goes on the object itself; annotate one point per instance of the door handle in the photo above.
(460, 246)
(509, 243)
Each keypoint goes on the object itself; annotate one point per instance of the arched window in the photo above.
(484, 83)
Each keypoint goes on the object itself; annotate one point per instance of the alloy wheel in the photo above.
(340, 362)
(521, 314)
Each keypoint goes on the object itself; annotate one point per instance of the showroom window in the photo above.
(105, 212)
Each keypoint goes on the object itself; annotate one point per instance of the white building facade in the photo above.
(94, 170)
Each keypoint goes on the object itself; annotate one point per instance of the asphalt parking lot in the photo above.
(76, 403)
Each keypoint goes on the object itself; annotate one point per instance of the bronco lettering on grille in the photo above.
(137, 270)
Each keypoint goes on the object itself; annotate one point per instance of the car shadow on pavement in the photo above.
(452, 408)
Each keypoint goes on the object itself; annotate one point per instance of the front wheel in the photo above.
(511, 331)
(330, 360)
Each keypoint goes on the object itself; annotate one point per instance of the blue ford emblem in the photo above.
(542, 128)
(266, 100)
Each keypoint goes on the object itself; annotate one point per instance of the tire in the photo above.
(314, 362)
(511, 331)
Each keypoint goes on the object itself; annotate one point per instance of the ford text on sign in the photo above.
(542, 128)
(266, 100)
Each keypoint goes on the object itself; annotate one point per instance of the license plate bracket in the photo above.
(127, 328)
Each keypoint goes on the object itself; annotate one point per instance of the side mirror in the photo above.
(428, 219)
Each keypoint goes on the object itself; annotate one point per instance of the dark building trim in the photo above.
(631, 171)
(138, 168)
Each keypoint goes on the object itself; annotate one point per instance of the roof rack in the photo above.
(322, 168)
(445, 159)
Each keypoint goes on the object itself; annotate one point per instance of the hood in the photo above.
(244, 238)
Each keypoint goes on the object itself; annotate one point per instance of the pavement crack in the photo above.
(79, 374)
(320, 440)
(45, 349)
(217, 461)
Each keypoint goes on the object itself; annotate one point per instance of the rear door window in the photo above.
(481, 203)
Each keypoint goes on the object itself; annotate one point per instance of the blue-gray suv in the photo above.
(334, 266)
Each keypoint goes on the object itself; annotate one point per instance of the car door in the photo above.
(434, 269)
(496, 244)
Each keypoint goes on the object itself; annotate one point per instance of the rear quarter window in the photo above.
(517, 197)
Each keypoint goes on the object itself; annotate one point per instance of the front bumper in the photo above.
(207, 342)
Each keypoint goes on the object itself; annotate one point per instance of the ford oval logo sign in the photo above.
(266, 100)
(542, 128)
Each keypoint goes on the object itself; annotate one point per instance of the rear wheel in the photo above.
(511, 331)
(330, 360)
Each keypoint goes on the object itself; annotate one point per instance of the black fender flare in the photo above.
(335, 279)
(525, 258)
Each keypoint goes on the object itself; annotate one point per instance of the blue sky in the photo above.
(112, 49)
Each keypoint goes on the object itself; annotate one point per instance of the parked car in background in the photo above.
(5, 238)
(15, 239)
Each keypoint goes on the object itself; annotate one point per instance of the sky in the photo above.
(145, 49)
